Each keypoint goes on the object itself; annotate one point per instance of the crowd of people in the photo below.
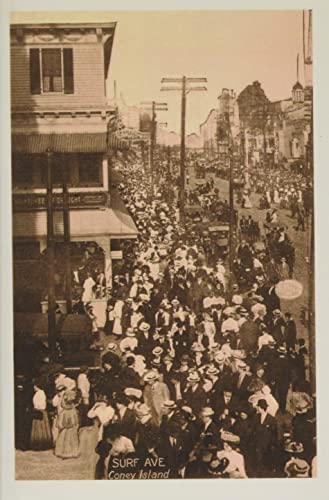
(201, 369)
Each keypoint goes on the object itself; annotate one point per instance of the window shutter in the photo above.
(35, 81)
(68, 71)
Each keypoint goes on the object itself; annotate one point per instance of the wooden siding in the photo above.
(89, 85)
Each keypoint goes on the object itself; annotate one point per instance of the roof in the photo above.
(298, 86)
(85, 223)
(66, 143)
(59, 143)
(63, 25)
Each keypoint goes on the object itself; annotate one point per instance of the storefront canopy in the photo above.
(114, 222)
(67, 143)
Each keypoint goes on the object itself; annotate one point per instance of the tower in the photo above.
(297, 90)
(308, 48)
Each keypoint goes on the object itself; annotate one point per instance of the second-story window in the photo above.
(51, 71)
(51, 68)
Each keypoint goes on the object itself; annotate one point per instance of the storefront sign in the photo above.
(117, 254)
(27, 202)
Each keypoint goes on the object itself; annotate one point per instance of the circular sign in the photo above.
(289, 289)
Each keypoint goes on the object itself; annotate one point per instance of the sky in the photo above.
(230, 48)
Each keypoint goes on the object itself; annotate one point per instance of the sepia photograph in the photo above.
(163, 245)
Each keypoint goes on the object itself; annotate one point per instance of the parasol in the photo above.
(289, 289)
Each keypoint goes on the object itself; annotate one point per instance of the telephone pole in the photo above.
(153, 106)
(50, 260)
(186, 86)
(67, 244)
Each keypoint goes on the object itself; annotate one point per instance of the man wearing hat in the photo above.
(155, 394)
(283, 377)
(248, 335)
(147, 432)
(241, 380)
(170, 413)
(129, 342)
(128, 374)
(109, 379)
(265, 440)
(170, 447)
(277, 327)
(125, 418)
(181, 340)
(161, 340)
(209, 431)
(145, 340)
(194, 395)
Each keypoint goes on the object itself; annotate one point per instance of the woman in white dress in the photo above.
(276, 197)
(88, 293)
(246, 203)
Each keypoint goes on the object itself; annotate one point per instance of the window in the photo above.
(26, 250)
(23, 167)
(90, 170)
(59, 163)
(51, 70)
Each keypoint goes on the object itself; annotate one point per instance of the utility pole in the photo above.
(185, 87)
(67, 247)
(50, 260)
(153, 106)
(232, 214)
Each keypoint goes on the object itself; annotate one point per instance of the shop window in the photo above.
(90, 170)
(22, 168)
(26, 250)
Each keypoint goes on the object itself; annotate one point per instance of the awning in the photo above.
(114, 222)
(59, 143)
(67, 143)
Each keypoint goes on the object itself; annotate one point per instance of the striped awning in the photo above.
(67, 143)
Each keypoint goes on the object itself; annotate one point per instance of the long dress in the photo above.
(276, 197)
(246, 203)
(41, 438)
(88, 294)
(67, 442)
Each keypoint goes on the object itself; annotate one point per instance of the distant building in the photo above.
(280, 131)
(208, 133)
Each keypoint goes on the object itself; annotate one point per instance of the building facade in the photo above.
(60, 115)
(208, 133)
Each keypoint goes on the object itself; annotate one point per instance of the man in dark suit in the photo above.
(291, 332)
(265, 440)
(125, 417)
(277, 327)
(241, 380)
(169, 415)
(225, 407)
(248, 334)
(271, 300)
(209, 431)
(145, 341)
(181, 340)
(171, 449)
(194, 395)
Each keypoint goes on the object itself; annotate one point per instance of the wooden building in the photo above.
(59, 106)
